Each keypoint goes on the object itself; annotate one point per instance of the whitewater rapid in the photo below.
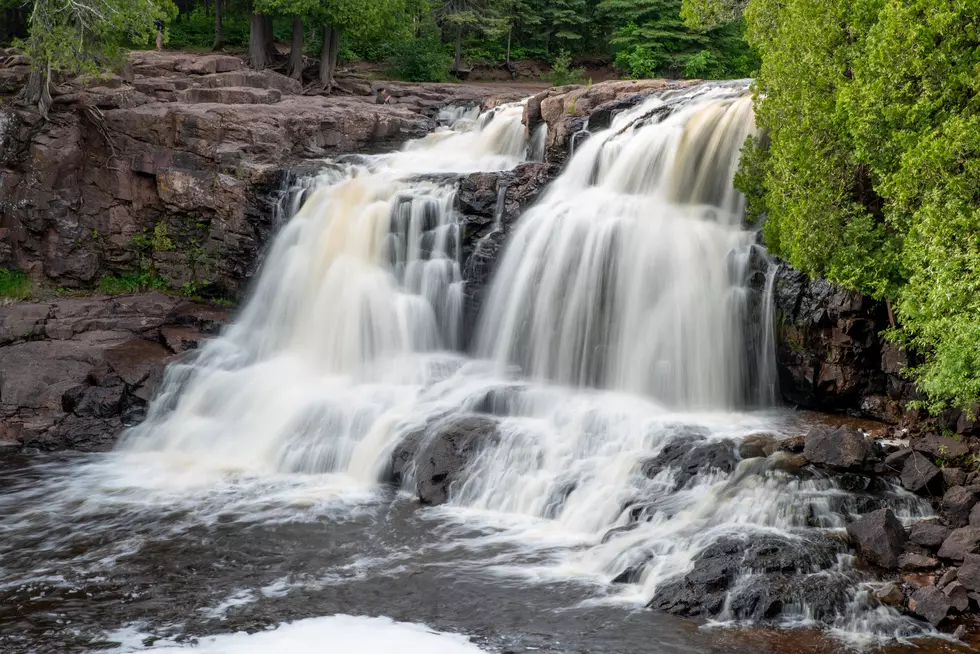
(631, 313)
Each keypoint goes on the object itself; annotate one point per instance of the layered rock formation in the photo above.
(173, 169)
(75, 371)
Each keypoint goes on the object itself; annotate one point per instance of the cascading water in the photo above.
(613, 366)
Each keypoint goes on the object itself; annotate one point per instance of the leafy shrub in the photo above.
(562, 73)
(419, 60)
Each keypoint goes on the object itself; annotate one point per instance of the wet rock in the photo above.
(960, 543)
(446, 451)
(913, 561)
(889, 594)
(842, 448)
(931, 604)
(957, 504)
(855, 483)
(690, 457)
(940, 447)
(928, 533)
(919, 475)
(879, 537)
(781, 565)
(757, 445)
(794, 445)
(968, 574)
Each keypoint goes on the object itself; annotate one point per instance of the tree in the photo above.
(564, 20)
(874, 160)
(84, 36)
(700, 14)
(519, 15)
(463, 15)
(219, 36)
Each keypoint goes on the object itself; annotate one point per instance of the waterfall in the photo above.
(611, 368)
(620, 277)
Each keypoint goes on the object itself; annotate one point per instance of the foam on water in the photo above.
(338, 634)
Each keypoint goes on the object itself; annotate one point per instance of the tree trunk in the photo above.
(458, 62)
(510, 30)
(256, 42)
(37, 91)
(270, 39)
(328, 57)
(219, 34)
(207, 7)
(296, 50)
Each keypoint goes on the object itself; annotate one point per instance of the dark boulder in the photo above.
(915, 561)
(960, 543)
(447, 449)
(930, 603)
(879, 537)
(689, 457)
(776, 561)
(968, 574)
(843, 448)
(919, 475)
(940, 447)
(929, 533)
(957, 504)
(895, 462)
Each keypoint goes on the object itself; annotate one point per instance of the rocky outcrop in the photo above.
(487, 219)
(74, 372)
(567, 110)
(434, 457)
(173, 169)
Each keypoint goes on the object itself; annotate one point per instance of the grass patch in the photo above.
(131, 283)
(14, 284)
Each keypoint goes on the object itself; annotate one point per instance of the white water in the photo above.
(617, 324)
(338, 634)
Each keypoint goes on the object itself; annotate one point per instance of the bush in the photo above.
(419, 60)
(562, 72)
(131, 283)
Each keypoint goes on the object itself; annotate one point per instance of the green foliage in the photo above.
(562, 72)
(14, 284)
(699, 14)
(871, 179)
(195, 31)
(651, 39)
(419, 60)
(126, 284)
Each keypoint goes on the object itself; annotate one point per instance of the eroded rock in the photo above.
(879, 537)
(842, 448)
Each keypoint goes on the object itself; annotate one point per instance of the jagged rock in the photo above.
(960, 543)
(953, 477)
(940, 447)
(689, 457)
(842, 448)
(782, 566)
(968, 574)
(913, 561)
(957, 504)
(929, 533)
(446, 450)
(89, 368)
(930, 603)
(879, 537)
(895, 461)
(919, 475)
(948, 577)
(958, 596)
(229, 95)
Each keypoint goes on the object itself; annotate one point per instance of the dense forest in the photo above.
(867, 171)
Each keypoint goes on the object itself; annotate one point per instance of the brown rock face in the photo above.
(75, 372)
(174, 171)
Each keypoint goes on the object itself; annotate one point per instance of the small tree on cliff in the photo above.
(84, 36)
